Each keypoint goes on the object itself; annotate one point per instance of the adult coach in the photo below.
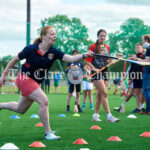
(39, 59)
(96, 63)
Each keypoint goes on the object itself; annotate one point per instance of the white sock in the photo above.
(109, 115)
(96, 114)
(142, 106)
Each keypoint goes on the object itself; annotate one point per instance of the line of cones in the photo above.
(78, 141)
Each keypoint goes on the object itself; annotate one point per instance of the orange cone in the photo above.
(39, 124)
(37, 144)
(145, 134)
(95, 127)
(114, 138)
(80, 141)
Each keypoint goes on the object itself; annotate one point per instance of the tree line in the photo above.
(72, 34)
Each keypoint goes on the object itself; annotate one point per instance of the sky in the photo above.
(94, 14)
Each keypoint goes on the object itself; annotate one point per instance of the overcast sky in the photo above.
(95, 14)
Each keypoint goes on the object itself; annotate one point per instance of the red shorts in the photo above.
(26, 85)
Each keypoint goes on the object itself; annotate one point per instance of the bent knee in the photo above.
(44, 102)
(104, 93)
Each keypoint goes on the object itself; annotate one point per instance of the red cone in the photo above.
(80, 141)
(114, 138)
(95, 127)
(37, 144)
(39, 124)
(145, 134)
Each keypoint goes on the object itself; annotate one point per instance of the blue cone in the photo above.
(62, 115)
(14, 117)
(34, 116)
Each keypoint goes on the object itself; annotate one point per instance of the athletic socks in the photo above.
(84, 104)
(109, 115)
(91, 104)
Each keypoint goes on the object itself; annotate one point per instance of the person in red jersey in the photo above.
(99, 80)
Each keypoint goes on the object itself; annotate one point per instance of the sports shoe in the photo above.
(91, 107)
(145, 113)
(51, 136)
(96, 118)
(118, 109)
(80, 110)
(68, 110)
(83, 107)
(143, 110)
(112, 119)
(136, 110)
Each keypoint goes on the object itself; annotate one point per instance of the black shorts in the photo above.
(116, 81)
(103, 75)
(137, 83)
(71, 87)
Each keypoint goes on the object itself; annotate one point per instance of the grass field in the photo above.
(22, 132)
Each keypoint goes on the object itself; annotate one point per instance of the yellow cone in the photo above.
(76, 115)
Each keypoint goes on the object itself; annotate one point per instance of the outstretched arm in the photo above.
(133, 57)
(8, 67)
(70, 58)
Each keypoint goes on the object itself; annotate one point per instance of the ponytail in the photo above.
(37, 40)
(98, 48)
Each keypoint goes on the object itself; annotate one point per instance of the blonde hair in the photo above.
(43, 32)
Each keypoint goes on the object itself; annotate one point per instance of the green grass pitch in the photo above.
(22, 132)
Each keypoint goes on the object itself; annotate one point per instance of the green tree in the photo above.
(129, 34)
(71, 33)
(5, 60)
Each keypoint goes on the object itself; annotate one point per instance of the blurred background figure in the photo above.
(87, 86)
(47, 83)
(116, 82)
(124, 86)
(11, 85)
(56, 78)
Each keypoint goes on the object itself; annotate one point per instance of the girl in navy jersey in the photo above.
(99, 80)
(39, 59)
